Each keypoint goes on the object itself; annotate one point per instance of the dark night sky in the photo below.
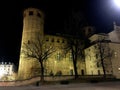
(98, 13)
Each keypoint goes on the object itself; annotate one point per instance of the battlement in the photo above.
(33, 12)
(6, 63)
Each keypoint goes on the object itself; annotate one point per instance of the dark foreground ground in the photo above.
(109, 85)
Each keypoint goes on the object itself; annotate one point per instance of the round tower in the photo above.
(33, 20)
(33, 25)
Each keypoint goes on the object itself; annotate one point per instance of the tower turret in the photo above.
(33, 25)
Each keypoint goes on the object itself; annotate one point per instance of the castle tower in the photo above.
(33, 25)
(88, 31)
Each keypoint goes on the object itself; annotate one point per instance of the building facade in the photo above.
(106, 47)
(103, 46)
(115, 47)
(99, 50)
(58, 62)
(6, 71)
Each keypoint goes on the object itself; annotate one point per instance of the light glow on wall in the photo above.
(2, 73)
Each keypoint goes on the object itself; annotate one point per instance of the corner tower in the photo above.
(33, 24)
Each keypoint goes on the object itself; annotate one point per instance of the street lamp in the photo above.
(116, 3)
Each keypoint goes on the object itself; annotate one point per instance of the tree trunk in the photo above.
(102, 51)
(42, 73)
(104, 73)
(75, 69)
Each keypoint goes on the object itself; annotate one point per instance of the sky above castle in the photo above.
(98, 13)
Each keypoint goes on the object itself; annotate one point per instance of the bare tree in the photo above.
(39, 50)
(105, 55)
(75, 40)
(75, 46)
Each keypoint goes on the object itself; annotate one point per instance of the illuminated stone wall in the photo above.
(115, 46)
(57, 63)
(91, 61)
(92, 55)
(116, 59)
(99, 37)
(33, 25)
(112, 46)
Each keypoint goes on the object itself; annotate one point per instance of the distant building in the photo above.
(6, 69)
(110, 46)
(115, 47)
(98, 50)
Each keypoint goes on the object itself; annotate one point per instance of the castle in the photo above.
(33, 25)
